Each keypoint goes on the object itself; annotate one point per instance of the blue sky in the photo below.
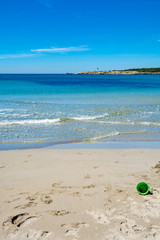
(58, 36)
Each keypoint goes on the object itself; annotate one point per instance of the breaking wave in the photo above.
(112, 134)
(30, 122)
(129, 123)
(50, 121)
(89, 119)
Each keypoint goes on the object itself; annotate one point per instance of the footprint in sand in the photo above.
(19, 220)
(76, 194)
(56, 184)
(87, 176)
(119, 191)
(145, 177)
(13, 200)
(46, 199)
(154, 232)
(116, 162)
(129, 226)
(124, 155)
(157, 167)
(23, 193)
(2, 166)
(23, 206)
(100, 175)
(108, 188)
(14, 224)
(90, 195)
(32, 197)
(89, 186)
(107, 202)
(96, 167)
(36, 235)
(99, 216)
(154, 191)
(59, 212)
(79, 153)
(28, 235)
(73, 228)
(25, 161)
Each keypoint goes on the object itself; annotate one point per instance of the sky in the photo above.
(59, 36)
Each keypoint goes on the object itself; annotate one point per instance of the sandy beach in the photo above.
(79, 194)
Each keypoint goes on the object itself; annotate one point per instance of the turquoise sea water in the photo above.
(43, 110)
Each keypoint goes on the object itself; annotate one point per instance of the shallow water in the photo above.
(42, 110)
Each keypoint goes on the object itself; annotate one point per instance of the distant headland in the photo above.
(132, 71)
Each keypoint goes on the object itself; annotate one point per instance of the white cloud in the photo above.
(20, 55)
(36, 52)
(62, 50)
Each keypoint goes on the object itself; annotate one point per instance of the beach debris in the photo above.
(142, 188)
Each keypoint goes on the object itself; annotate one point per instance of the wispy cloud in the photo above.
(20, 55)
(61, 50)
(37, 52)
(158, 40)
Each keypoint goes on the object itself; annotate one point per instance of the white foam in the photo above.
(112, 134)
(130, 123)
(81, 118)
(104, 136)
(30, 121)
(150, 123)
(5, 109)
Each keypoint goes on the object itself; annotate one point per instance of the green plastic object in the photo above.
(142, 188)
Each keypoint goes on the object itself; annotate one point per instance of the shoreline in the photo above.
(81, 145)
(79, 194)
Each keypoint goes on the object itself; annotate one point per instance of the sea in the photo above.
(79, 111)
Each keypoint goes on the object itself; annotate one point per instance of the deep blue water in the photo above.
(38, 110)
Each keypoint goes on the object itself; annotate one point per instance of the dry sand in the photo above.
(79, 194)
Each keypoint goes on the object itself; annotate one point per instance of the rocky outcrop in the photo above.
(118, 72)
